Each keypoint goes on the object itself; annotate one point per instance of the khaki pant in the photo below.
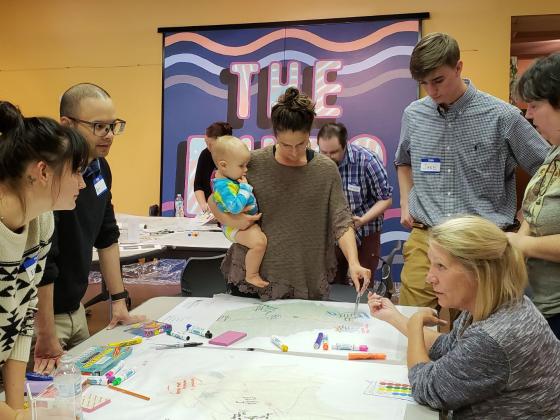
(71, 329)
(414, 289)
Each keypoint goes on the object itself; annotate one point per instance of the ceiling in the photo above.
(535, 36)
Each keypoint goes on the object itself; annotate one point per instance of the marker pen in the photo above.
(318, 341)
(353, 347)
(115, 369)
(97, 380)
(125, 343)
(326, 342)
(180, 335)
(278, 343)
(198, 331)
(367, 356)
(123, 377)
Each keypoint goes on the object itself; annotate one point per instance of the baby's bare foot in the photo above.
(256, 280)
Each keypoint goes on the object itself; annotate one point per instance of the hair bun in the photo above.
(290, 96)
(11, 118)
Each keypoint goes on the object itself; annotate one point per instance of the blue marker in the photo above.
(199, 331)
(318, 341)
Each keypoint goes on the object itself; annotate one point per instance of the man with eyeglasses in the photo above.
(61, 320)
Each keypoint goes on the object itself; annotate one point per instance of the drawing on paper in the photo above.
(285, 319)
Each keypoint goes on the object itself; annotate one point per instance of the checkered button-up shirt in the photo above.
(478, 142)
(364, 181)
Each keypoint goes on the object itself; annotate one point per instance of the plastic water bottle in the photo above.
(68, 383)
(179, 206)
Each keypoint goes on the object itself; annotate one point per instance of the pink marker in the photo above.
(351, 347)
(116, 369)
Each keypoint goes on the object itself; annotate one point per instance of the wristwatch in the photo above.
(119, 296)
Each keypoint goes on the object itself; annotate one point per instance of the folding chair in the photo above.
(203, 277)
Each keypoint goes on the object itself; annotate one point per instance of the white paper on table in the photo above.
(203, 383)
(296, 322)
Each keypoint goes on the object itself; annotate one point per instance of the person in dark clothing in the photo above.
(205, 165)
(61, 322)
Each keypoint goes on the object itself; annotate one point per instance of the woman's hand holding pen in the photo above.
(382, 308)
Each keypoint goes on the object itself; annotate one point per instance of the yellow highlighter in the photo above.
(126, 343)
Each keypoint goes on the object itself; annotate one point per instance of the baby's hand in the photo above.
(242, 180)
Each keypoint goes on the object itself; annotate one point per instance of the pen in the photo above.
(318, 341)
(117, 368)
(367, 356)
(126, 391)
(98, 380)
(123, 377)
(177, 346)
(344, 346)
(326, 342)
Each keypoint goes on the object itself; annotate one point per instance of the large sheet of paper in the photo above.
(204, 383)
(296, 322)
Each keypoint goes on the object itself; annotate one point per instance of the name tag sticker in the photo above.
(29, 265)
(100, 186)
(354, 188)
(430, 165)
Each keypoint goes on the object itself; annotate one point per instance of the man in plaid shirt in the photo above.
(367, 191)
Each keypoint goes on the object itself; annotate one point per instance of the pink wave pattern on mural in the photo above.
(374, 37)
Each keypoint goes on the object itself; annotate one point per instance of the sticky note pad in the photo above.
(392, 389)
(92, 402)
(227, 338)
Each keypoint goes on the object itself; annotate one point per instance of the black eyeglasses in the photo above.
(101, 129)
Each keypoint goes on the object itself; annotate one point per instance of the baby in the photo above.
(233, 194)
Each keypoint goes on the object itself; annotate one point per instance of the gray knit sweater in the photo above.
(504, 367)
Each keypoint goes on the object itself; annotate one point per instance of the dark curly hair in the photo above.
(541, 81)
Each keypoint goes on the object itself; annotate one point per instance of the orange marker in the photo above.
(367, 356)
(326, 342)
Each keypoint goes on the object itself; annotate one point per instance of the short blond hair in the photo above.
(484, 250)
(226, 146)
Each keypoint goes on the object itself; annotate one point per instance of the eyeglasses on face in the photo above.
(101, 129)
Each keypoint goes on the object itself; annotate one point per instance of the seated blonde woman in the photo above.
(501, 360)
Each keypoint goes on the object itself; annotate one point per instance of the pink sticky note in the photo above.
(227, 338)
